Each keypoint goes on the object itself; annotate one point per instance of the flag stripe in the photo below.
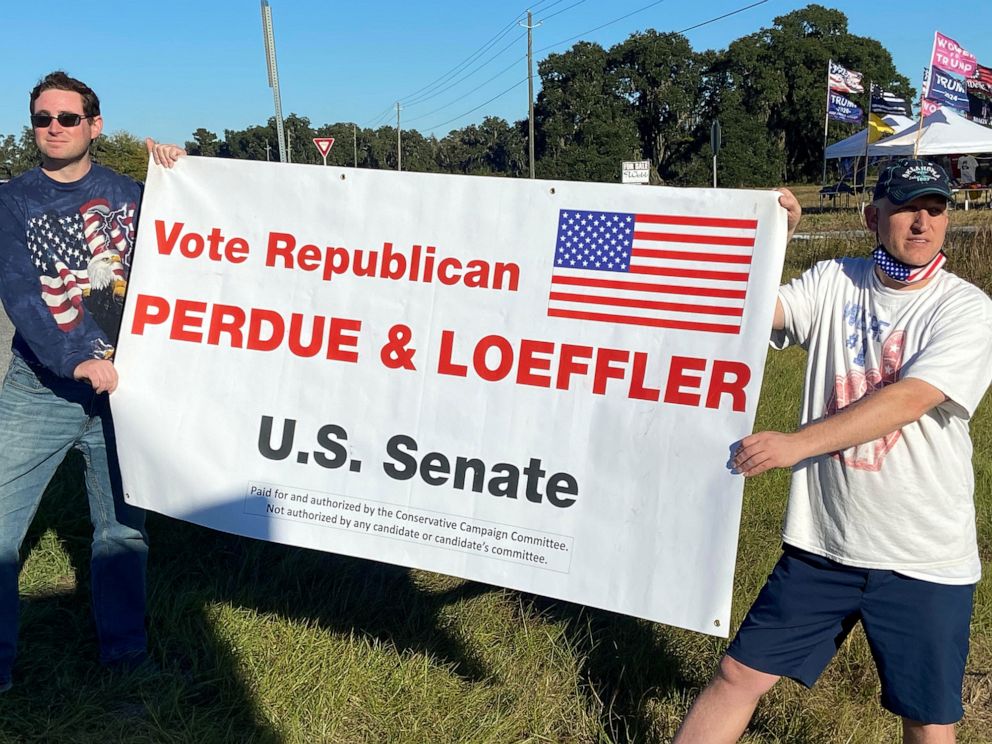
(682, 238)
(647, 304)
(669, 219)
(633, 294)
(729, 276)
(679, 289)
(684, 325)
(690, 255)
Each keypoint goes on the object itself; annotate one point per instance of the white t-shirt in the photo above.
(968, 165)
(904, 502)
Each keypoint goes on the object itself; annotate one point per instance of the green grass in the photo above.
(847, 216)
(259, 642)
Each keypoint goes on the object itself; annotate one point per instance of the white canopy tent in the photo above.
(944, 133)
(854, 146)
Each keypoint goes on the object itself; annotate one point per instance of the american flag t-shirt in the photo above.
(663, 271)
(60, 255)
(62, 247)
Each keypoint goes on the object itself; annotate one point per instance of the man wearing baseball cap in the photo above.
(880, 524)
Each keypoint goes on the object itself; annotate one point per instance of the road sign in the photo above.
(323, 146)
(636, 171)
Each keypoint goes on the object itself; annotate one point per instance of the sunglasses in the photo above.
(40, 121)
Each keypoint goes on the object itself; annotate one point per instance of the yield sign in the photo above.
(323, 144)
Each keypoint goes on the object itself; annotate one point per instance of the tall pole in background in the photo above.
(399, 146)
(354, 132)
(826, 125)
(530, 90)
(716, 140)
(270, 61)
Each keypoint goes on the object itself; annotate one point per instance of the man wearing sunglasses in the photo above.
(66, 236)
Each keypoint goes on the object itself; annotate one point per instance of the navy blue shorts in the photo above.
(917, 630)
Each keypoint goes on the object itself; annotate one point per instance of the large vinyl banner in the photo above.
(532, 384)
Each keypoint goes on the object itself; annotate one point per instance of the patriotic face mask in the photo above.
(906, 273)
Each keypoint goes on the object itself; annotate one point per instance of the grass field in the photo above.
(257, 642)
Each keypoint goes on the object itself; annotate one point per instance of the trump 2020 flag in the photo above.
(657, 270)
(840, 108)
(844, 80)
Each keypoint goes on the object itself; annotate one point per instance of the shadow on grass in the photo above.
(198, 692)
(625, 664)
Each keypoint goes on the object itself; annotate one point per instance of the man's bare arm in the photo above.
(865, 420)
(794, 213)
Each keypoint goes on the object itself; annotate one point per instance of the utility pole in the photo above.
(530, 90)
(289, 146)
(267, 148)
(354, 131)
(270, 61)
(399, 147)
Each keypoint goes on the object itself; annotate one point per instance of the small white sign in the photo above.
(636, 171)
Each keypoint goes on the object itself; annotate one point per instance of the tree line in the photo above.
(651, 97)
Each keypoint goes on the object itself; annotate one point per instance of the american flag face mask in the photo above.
(905, 273)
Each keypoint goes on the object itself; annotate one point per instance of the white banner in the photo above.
(532, 384)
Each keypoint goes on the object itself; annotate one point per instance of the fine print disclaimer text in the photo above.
(433, 529)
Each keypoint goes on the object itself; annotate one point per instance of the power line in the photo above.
(430, 88)
(379, 117)
(431, 91)
(486, 103)
(478, 87)
(725, 15)
(472, 57)
(546, 17)
(608, 23)
(646, 7)
(423, 99)
(513, 41)
(556, 2)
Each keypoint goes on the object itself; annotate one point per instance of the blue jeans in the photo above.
(41, 418)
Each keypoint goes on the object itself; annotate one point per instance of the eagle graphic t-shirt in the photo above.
(65, 255)
(903, 502)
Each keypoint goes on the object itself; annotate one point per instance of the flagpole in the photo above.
(871, 90)
(919, 130)
(826, 123)
(923, 92)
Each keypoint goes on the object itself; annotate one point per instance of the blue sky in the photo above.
(164, 69)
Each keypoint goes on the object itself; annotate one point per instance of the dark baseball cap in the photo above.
(907, 179)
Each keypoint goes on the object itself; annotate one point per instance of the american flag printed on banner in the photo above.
(662, 271)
